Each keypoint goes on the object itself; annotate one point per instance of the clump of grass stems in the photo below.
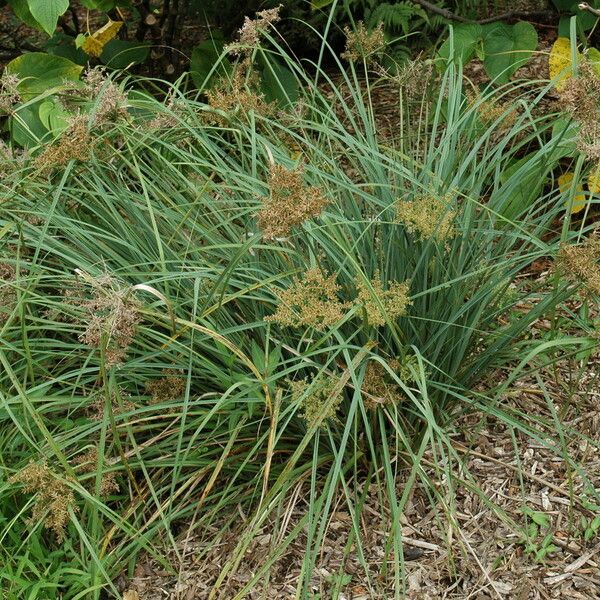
(171, 213)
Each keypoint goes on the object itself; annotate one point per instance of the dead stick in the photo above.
(513, 14)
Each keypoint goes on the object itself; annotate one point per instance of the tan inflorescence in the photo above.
(8, 295)
(171, 116)
(490, 111)
(111, 100)
(378, 388)
(238, 94)
(9, 93)
(252, 29)
(379, 303)
(168, 388)
(75, 143)
(581, 264)
(311, 301)
(290, 202)
(314, 395)
(12, 160)
(112, 316)
(413, 78)
(87, 463)
(579, 96)
(53, 496)
(428, 217)
(362, 43)
(119, 404)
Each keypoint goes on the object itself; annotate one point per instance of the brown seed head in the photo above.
(9, 93)
(315, 395)
(362, 43)
(310, 302)
(168, 388)
(8, 295)
(252, 29)
(490, 111)
(119, 404)
(112, 316)
(379, 304)
(580, 264)
(579, 97)
(429, 217)
(53, 496)
(238, 94)
(290, 202)
(73, 144)
(378, 389)
(112, 101)
(87, 463)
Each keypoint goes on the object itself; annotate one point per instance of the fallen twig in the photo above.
(513, 14)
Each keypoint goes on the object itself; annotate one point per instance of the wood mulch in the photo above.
(468, 543)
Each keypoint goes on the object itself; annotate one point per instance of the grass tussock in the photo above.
(225, 303)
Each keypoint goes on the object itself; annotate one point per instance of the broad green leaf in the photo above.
(506, 48)
(570, 8)
(534, 171)
(120, 54)
(594, 55)
(463, 40)
(563, 5)
(278, 83)
(47, 12)
(22, 12)
(53, 116)
(565, 133)
(204, 57)
(540, 518)
(26, 127)
(39, 71)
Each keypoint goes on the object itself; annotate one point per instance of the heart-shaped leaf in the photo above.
(506, 48)
(462, 42)
(47, 12)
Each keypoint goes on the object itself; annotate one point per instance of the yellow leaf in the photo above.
(564, 185)
(94, 44)
(131, 595)
(559, 62)
(593, 181)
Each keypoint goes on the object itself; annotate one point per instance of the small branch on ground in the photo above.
(513, 14)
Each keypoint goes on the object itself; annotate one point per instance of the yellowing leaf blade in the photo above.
(94, 44)
(565, 183)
